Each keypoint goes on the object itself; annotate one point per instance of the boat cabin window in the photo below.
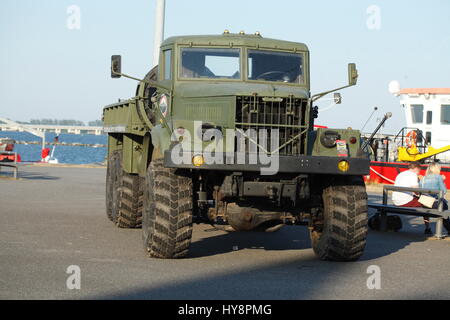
(417, 113)
(445, 114)
(430, 117)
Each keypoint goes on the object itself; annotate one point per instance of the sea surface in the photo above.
(64, 154)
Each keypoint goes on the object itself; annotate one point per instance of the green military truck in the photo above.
(222, 132)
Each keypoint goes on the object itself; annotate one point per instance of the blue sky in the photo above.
(50, 71)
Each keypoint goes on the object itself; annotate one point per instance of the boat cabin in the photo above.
(429, 111)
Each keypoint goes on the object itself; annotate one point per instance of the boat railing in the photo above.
(400, 138)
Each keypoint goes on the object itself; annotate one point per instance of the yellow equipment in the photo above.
(413, 154)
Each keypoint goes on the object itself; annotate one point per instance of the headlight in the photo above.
(328, 139)
(198, 161)
(164, 105)
(343, 166)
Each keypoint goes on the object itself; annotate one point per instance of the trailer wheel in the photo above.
(340, 232)
(124, 197)
(167, 219)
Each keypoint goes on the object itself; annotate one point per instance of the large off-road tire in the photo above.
(340, 234)
(131, 202)
(167, 219)
(124, 196)
(113, 176)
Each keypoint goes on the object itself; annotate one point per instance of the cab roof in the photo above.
(238, 40)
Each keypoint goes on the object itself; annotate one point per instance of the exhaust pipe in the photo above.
(159, 29)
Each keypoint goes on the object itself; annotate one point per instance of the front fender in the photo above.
(161, 140)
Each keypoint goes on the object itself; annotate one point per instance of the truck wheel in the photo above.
(113, 176)
(124, 197)
(167, 219)
(131, 202)
(341, 231)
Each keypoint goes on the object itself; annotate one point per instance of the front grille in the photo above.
(288, 115)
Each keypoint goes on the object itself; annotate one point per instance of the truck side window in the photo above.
(168, 65)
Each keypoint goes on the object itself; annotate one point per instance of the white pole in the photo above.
(159, 29)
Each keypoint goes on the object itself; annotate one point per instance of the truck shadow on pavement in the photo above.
(281, 280)
(288, 238)
(276, 277)
(300, 278)
(379, 244)
(26, 175)
(284, 277)
(29, 175)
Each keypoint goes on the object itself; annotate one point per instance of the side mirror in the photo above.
(337, 98)
(352, 74)
(116, 66)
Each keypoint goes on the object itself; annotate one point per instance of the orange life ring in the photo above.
(411, 139)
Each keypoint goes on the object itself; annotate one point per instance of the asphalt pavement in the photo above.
(53, 221)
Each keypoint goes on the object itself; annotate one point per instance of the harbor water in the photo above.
(64, 153)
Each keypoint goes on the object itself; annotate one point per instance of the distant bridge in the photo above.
(11, 126)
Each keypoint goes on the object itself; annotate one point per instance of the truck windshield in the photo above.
(210, 63)
(275, 66)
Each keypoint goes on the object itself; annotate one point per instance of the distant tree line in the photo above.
(96, 123)
(66, 122)
(57, 122)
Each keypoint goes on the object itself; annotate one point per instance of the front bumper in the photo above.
(286, 164)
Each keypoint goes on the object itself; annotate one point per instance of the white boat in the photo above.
(427, 113)
(428, 109)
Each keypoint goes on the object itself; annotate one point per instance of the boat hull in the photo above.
(386, 172)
